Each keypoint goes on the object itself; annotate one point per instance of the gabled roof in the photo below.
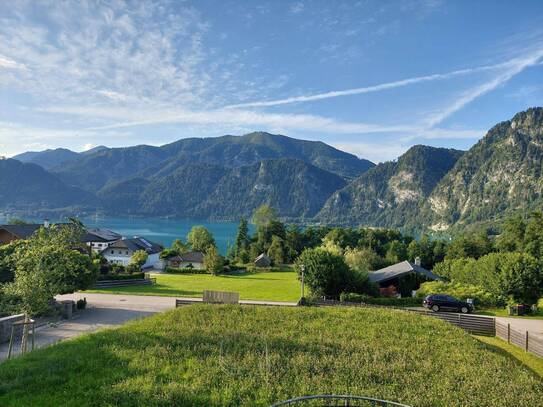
(134, 244)
(22, 231)
(189, 257)
(101, 235)
(399, 270)
(263, 256)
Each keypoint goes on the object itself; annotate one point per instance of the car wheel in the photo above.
(435, 308)
(464, 310)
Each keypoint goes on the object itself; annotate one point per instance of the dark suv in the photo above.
(442, 302)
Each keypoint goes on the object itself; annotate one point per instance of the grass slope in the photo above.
(271, 286)
(252, 356)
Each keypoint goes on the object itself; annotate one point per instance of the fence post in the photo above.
(526, 341)
(508, 333)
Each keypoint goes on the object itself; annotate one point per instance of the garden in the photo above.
(253, 356)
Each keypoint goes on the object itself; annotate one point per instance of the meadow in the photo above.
(271, 286)
(253, 356)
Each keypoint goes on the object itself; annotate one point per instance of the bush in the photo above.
(184, 270)
(134, 276)
(116, 268)
(385, 301)
(461, 291)
(517, 275)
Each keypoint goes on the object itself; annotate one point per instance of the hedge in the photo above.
(184, 270)
(386, 301)
(134, 276)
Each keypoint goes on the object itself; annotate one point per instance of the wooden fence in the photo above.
(220, 297)
(530, 343)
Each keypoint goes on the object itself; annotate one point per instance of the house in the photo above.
(401, 278)
(9, 233)
(121, 251)
(189, 259)
(100, 239)
(262, 261)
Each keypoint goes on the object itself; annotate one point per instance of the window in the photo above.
(120, 252)
(112, 252)
(126, 252)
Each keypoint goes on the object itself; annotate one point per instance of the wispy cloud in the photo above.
(370, 89)
(7, 63)
(513, 68)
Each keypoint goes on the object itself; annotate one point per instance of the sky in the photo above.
(372, 78)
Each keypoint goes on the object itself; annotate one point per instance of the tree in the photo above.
(139, 257)
(213, 261)
(200, 239)
(264, 215)
(327, 274)
(521, 278)
(512, 237)
(242, 238)
(396, 252)
(275, 252)
(47, 265)
(179, 246)
(7, 261)
(533, 237)
(363, 260)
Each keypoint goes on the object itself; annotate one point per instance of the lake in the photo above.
(160, 230)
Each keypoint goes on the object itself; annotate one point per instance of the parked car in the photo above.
(441, 302)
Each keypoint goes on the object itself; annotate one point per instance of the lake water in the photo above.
(163, 231)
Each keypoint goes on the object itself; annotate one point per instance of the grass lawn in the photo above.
(205, 355)
(532, 361)
(272, 286)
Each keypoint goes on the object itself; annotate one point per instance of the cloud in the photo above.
(7, 63)
(297, 7)
(514, 67)
(369, 89)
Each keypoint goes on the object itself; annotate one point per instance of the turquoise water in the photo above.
(163, 231)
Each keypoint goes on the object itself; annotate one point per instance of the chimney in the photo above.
(417, 261)
(46, 223)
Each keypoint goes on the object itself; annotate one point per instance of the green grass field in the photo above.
(272, 286)
(205, 355)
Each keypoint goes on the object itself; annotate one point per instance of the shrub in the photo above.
(461, 291)
(184, 270)
(385, 301)
(133, 276)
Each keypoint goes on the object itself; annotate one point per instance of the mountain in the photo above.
(498, 176)
(95, 171)
(391, 193)
(48, 158)
(201, 190)
(29, 186)
(54, 158)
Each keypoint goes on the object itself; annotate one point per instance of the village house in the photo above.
(9, 233)
(121, 251)
(100, 239)
(263, 261)
(190, 259)
(401, 279)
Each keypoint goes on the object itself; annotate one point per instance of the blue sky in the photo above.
(369, 77)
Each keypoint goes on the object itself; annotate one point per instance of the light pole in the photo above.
(302, 269)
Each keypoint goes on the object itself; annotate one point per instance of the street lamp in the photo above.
(302, 269)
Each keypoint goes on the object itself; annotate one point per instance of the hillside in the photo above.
(30, 187)
(391, 193)
(295, 188)
(212, 355)
(118, 164)
(498, 176)
(48, 158)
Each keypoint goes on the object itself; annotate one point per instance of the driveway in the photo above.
(95, 317)
(534, 326)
